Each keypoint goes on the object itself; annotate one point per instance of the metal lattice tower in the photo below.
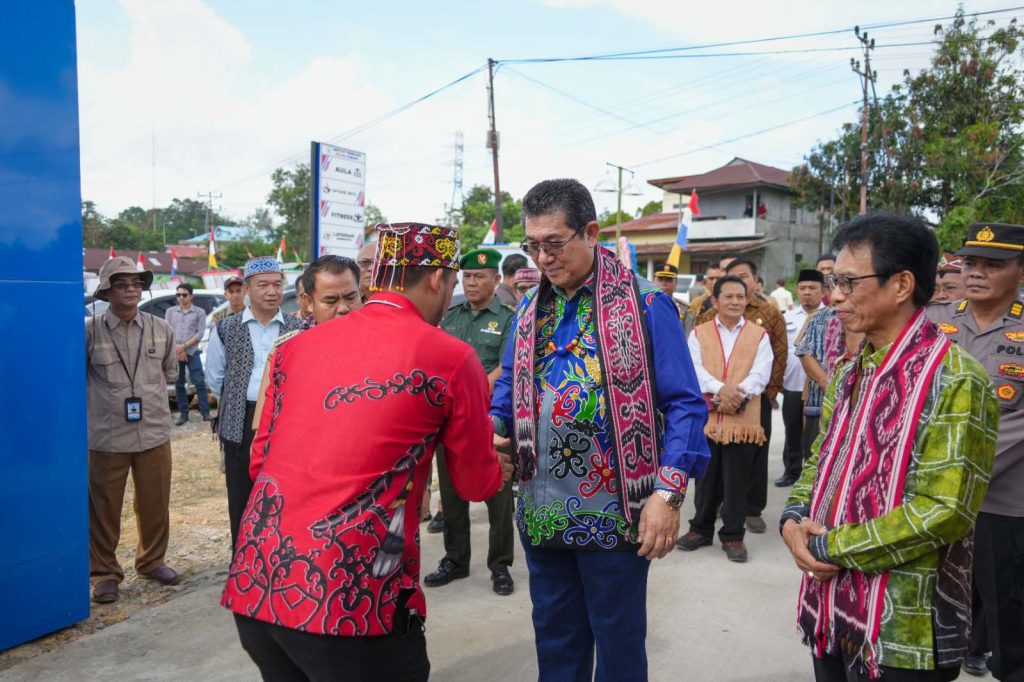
(455, 206)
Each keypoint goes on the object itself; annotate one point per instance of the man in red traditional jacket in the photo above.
(325, 578)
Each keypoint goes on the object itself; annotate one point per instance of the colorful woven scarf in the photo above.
(862, 469)
(624, 354)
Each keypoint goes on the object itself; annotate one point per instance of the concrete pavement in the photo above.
(709, 620)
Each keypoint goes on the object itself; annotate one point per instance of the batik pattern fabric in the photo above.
(574, 498)
(328, 542)
(920, 548)
(812, 343)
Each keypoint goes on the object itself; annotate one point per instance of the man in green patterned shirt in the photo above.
(881, 519)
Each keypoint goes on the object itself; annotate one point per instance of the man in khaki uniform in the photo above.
(989, 324)
(130, 358)
(485, 323)
(763, 314)
(699, 304)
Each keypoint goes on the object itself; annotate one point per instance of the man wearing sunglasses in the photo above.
(130, 358)
(188, 322)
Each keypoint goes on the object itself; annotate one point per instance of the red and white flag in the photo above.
(140, 264)
(694, 203)
(113, 254)
(492, 233)
(174, 262)
(282, 248)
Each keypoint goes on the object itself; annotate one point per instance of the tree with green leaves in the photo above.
(946, 144)
(478, 214)
(289, 197)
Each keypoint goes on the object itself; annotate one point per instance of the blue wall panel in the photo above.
(44, 556)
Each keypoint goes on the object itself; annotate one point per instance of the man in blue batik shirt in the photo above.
(600, 397)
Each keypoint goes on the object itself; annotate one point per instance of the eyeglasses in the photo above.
(845, 284)
(125, 284)
(182, 295)
(532, 248)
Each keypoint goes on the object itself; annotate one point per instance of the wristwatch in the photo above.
(673, 500)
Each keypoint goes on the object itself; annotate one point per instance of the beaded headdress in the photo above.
(403, 245)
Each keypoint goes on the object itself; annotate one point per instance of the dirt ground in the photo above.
(199, 546)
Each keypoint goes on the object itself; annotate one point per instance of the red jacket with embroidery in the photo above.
(329, 540)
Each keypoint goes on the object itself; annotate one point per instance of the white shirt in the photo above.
(760, 372)
(262, 337)
(795, 378)
(783, 298)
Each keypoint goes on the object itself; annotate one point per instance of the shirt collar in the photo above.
(588, 286)
(391, 299)
(247, 316)
(738, 327)
(113, 320)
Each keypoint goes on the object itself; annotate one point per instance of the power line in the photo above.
(358, 129)
(747, 135)
(755, 41)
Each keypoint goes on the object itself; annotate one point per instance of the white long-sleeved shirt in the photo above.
(760, 372)
(795, 377)
(262, 337)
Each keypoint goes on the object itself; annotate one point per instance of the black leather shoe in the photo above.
(207, 418)
(785, 481)
(503, 583)
(446, 572)
(976, 664)
(692, 540)
(436, 524)
(735, 550)
(181, 420)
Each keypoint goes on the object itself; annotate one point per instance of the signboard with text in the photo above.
(338, 200)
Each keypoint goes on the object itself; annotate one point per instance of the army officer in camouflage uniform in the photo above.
(486, 324)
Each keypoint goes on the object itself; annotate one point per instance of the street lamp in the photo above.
(630, 190)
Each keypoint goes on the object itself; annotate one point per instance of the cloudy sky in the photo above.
(182, 97)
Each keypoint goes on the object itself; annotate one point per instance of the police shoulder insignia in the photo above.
(1015, 337)
(1012, 369)
(1017, 310)
(963, 306)
(1006, 392)
(286, 336)
(947, 328)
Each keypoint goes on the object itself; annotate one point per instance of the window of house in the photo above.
(792, 213)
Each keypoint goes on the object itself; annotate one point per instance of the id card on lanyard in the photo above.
(132, 404)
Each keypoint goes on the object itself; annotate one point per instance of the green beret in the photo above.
(481, 259)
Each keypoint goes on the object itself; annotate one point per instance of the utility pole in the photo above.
(867, 79)
(493, 143)
(209, 196)
(630, 191)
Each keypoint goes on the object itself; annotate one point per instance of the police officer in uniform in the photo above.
(485, 323)
(989, 324)
(666, 277)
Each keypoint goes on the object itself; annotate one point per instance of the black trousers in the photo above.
(812, 425)
(287, 655)
(793, 418)
(501, 537)
(979, 628)
(999, 575)
(236, 473)
(724, 485)
(757, 492)
(837, 669)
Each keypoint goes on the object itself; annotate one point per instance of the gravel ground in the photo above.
(199, 546)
